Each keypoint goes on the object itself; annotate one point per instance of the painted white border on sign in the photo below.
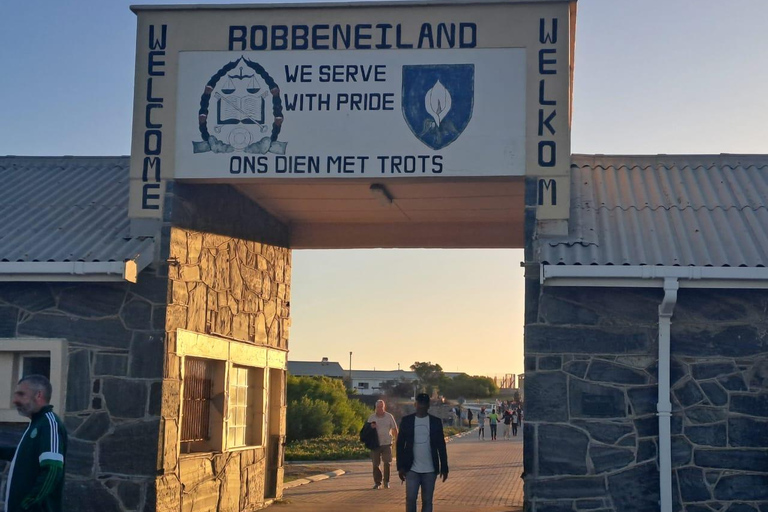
(352, 121)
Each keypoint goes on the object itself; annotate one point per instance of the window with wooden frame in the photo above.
(245, 417)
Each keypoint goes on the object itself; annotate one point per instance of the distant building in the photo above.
(323, 368)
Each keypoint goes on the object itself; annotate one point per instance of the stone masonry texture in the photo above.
(227, 278)
(115, 337)
(591, 429)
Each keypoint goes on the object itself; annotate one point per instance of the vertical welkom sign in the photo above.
(417, 90)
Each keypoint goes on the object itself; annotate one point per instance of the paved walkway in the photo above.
(484, 477)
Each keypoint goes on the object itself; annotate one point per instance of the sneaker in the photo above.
(376, 487)
(386, 485)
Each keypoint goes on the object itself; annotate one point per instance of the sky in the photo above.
(651, 76)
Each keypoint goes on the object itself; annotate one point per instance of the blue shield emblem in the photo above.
(437, 101)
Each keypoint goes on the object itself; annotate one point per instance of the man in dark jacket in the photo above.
(36, 478)
(421, 454)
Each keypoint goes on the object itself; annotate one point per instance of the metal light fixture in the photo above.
(381, 193)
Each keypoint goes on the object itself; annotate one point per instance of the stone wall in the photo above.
(591, 432)
(115, 341)
(225, 285)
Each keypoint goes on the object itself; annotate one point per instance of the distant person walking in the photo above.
(386, 427)
(507, 417)
(481, 423)
(421, 455)
(493, 418)
(515, 420)
(36, 477)
(469, 418)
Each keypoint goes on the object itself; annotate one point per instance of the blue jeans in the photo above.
(412, 483)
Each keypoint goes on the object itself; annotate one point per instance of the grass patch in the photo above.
(452, 431)
(335, 447)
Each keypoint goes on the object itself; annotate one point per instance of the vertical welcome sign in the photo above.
(374, 90)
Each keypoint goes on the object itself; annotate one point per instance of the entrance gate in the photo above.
(260, 129)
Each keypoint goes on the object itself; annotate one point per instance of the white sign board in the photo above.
(364, 113)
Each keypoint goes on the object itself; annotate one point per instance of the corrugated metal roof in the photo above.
(700, 210)
(59, 209)
(329, 369)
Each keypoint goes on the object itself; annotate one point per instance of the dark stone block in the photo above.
(147, 356)
(546, 397)
(647, 427)
(712, 476)
(576, 368)
(110, 364)
(585, 340)
(681, 451)
(130, 494)
(707, 435)
(753, 405)
(94, 427)
(589, 504)
(676, 424)
(155, 398)
(80, 456)
(30, 297)
(72, 422)
(125, 398)
(688, 394)
(745, 460)
(628, 441)
(692, 485)
(643, 399)
(589, 400)
(748, 432)
(137, 314)
(88, 496)
(96, 385)
(532, 285)
(152, 288)
(742, 488)
(741, 507)
(556, 311)
(703, 371)
(697, 508)
(78, 381)
(605, 432)
(608, 458)
(562, 450)
(698, 305)
(677, 371)
(705, 414)
(96, 403)
(636, 489)
(131, 449)
(8, 318)
(604, 371)
(529, 448)
(530, 363)
(734, 341)
(92, 300)
(568, 488)
(646, 450)
(554, 506)
(108, 332)
(715, 393)
(550, 362)
(733, 382)
(158, 318)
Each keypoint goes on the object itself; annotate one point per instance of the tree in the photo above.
(464, 385)
(399, 388)
(429, 374)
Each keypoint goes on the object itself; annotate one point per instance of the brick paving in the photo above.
(484, 477)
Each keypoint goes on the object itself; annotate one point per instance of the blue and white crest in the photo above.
(437, 101)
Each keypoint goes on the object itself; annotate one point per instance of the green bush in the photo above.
(319, 406)
(308, 418)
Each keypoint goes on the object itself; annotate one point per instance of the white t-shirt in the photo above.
(422, 452)
(385, 425)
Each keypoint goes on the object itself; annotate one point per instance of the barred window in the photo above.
(198, 390)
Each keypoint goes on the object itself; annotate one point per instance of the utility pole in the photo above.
(350, 369)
